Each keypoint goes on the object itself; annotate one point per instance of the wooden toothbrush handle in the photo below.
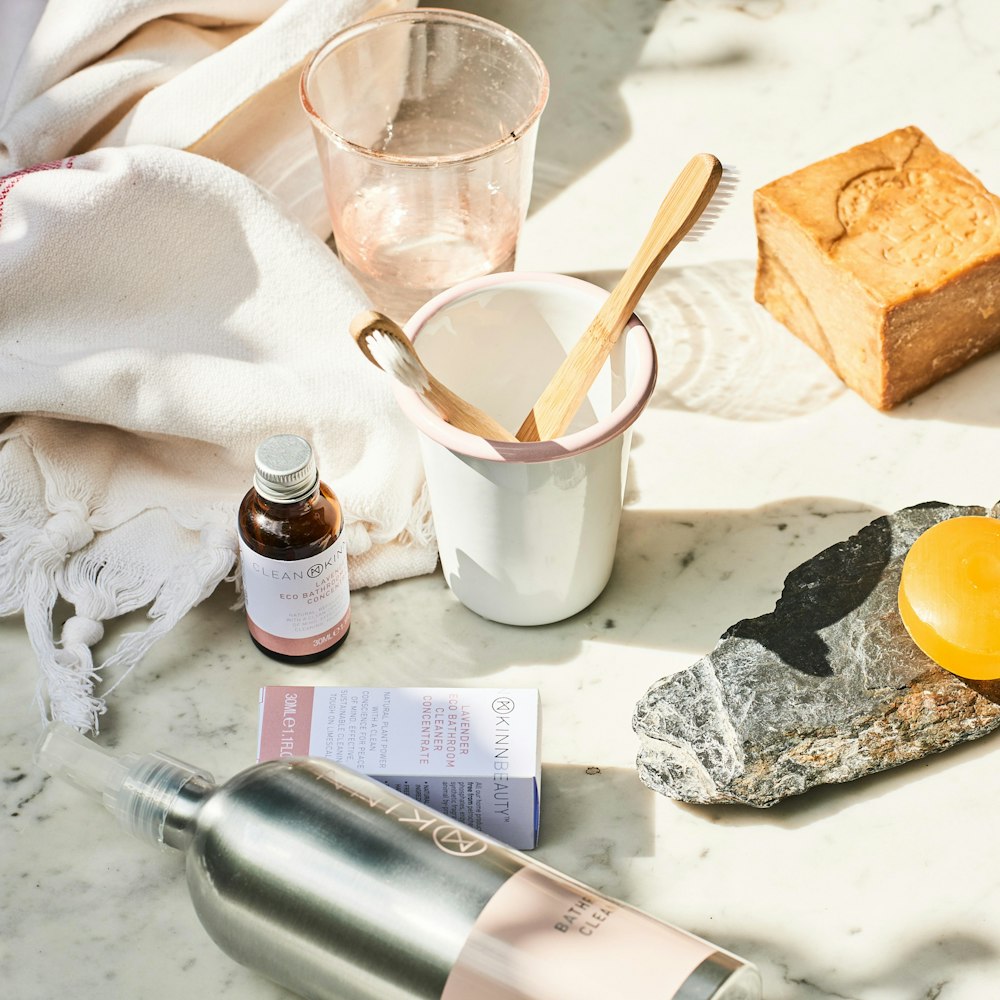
(685, 201)
(462, 414)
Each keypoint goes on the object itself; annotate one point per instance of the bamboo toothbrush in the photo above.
(386, 346)
(683, 206)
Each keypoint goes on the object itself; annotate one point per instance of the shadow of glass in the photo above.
(589, 48)
(717, 347)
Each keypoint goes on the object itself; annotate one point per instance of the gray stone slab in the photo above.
(828, 687)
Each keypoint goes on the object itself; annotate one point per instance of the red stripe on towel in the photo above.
(8, 181)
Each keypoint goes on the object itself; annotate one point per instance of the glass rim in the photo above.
(416, 16)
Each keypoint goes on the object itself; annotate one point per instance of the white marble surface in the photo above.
(750, 459)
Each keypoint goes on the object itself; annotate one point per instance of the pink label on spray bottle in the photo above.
(545, 938)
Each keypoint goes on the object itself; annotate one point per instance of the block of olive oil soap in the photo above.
(885, 259)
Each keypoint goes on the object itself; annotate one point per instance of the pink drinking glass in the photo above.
(425, 121)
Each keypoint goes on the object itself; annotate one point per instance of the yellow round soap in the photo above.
(949, 595)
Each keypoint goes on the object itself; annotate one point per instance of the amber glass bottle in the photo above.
(293, 555)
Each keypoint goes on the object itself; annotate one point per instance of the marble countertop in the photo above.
(750, 458)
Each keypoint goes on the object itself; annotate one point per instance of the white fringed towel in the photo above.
(161, 313)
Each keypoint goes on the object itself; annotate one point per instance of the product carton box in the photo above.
(471, 753)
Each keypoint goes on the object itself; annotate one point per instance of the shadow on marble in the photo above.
(687, 576)
(968, 396)
(604, 815)
(919, 971)
(680, 579)
(588, 54)
(717, 347)
(721, 353)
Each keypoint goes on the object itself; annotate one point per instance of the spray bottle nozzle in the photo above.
(140, 790)
(66, 754)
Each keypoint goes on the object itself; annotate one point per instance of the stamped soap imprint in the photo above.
(917, 217)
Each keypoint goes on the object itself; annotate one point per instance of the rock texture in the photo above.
(828, 687)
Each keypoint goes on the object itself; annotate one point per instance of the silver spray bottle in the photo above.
(339, 888)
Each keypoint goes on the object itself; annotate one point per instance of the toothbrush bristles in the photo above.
(394, 360)
(720, 200)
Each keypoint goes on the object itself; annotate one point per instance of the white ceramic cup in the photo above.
(526, 531)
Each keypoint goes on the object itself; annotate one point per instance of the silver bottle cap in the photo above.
(286, 468)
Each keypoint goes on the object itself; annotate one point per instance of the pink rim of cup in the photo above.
(463, 443)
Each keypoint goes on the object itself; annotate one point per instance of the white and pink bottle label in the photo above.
(547, 938)
(297, 607)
